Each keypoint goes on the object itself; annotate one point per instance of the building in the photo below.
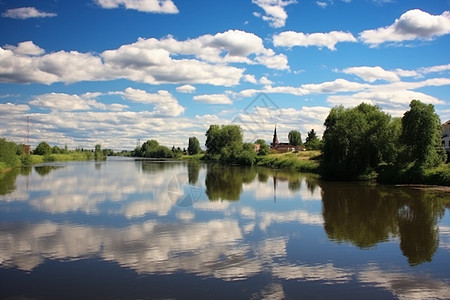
(446, 135)
(283, 147)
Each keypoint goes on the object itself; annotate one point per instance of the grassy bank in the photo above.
(305, 161)
(28, 160)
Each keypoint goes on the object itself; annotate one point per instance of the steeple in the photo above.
(275, 138)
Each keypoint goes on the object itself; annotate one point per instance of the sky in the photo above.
(121, 72)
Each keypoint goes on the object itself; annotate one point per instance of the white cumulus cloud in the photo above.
(187, 88)
(26, 48)
(275, 14)
(328, 40)
(164, 102)
(213, 99)
(149, 6)
(371, 74)
(413, 24)
(26, 13)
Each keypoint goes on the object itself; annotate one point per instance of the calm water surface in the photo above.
(125, 229)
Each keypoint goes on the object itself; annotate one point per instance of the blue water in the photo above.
(125, 229)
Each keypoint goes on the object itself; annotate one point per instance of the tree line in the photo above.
(364, 141)
(358, 143)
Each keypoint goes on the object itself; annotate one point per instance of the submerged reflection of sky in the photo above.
(220, 239)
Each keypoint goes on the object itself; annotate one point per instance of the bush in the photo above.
(439, 175)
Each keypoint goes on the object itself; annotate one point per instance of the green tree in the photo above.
(225, 141)
(213, 140)
(43, 149)
(312, 142)
(152, 149)
(354, 141)
(194, 146)
(8, 156)
(98, 153)
(295, 138)
(177, 152)
(56, 150)
(421, 135)
(263, 147)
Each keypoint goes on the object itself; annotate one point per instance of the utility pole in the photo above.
(27, 145)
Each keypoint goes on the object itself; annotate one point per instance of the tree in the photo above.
(355, 141)
(263, 147)
(8, 156)
(421, 135)
(312, 142)
(98, 153)
(213, 142)
(194, 146)
(56, 150)
(295, 138)
(43, 149)
(226, 137)
(153, 149)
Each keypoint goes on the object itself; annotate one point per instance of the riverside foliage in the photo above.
(364, 142)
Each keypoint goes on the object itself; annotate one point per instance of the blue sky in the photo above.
(117, 72)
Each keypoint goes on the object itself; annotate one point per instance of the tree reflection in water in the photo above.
(8, 179)
(365, 216)
(225, 183)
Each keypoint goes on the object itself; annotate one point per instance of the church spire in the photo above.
(275, 138)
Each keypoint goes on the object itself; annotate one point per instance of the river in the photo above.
(126, 229)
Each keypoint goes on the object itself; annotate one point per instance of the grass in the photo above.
(198, 157)
(69, 156)
(305, 161)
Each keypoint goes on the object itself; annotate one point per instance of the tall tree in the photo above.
(225, 138)
(312, 142)
(295, 138)
(421, 135)
(194, 146)
(354, 141)
(98, 153)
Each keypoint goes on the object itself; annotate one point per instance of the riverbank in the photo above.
(33, 159)
(305, 161)
(309, 162)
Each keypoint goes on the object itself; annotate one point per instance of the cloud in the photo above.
(372, 74)
(204, 60)
(265, 81)
(26, 48)
(148, 6)
(213, 99)
(187, 88)
(337, 86)
(433, 69)
(412, 25)
(164, 102)
(328, 40)
(10, 108)
(393, 101)
(61, 102)
(274, 10)
(322, 4)
(278, 62)
(73, 66)
(26, 13)
(250, 78)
